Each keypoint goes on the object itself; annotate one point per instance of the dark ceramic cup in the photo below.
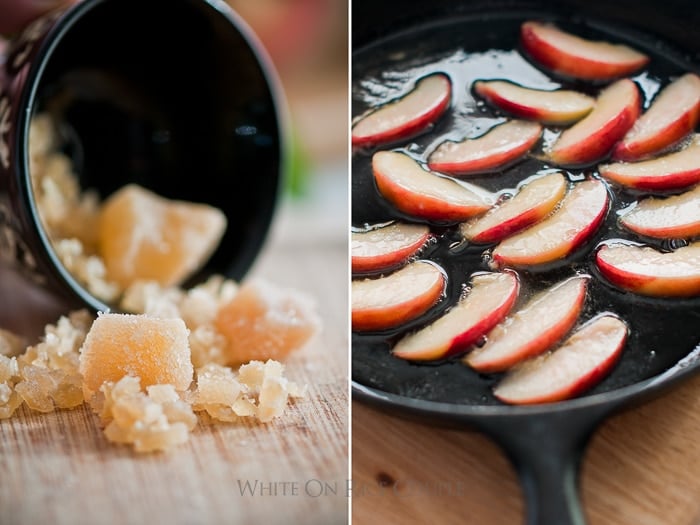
(174, 95)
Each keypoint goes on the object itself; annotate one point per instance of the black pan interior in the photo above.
(485, 45)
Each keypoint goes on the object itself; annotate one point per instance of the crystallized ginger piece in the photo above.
(153, 420)
(216, 385)
(145, 236)
(218, 393)
(266, 380)
(156, 350)
(48, 371)
(207, 346)
(11, 344)
(58, 349)
(264, 322)
(44, 389)
(258, 390)
(9, 375)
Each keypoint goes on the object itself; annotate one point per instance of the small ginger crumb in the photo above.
(9, 375)
(258, 390)
(87, 269)
(150, 421)
(207, 346)
(48, 371)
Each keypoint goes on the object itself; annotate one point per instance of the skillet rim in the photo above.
(656, 385)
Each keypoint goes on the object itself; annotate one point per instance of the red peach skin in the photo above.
(578, 365)
(672, 115)
(533, 329)
(592, 138)
(491, 297)
(569, 55)
(386, 302)
(646, 271)
(405, 117)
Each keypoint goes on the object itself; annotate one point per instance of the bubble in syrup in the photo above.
(465, 289)
(503, 197)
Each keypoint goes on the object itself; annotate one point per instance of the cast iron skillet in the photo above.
(545, 442)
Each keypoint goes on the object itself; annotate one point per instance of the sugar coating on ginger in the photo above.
(232, 324)
(65, 210)
(134, 234)
(258, 390)
(142, 235)
(151, 415)
(157, 419)
(154, 349)
(263, 322)
(49, 376)
(9, 376)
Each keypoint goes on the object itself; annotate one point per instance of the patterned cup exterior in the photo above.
(25, 245)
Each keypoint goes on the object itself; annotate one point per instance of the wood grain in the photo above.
(59, 468)
(641, 468)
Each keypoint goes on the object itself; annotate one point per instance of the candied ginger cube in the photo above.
(156, 350)
(264, 322)
(145, 236)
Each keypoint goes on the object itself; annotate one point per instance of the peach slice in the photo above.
(500, 146)
(386, 302)
(592, 138)
(533, 329)
(576, 57)
(420, 193)
(386, 247)
(672, 115)
(580, 363)
(669, 172)
(407, 116)
(667, 218)
(156, 350)
(491, 297)
(560, 234)
(533, 202)
(646, 271)
(560, 107)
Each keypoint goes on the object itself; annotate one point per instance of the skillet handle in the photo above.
(546, 450)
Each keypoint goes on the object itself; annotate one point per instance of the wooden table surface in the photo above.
(59, 468)
(641, 468)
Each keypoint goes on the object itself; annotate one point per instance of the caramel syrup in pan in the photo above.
(662, 331)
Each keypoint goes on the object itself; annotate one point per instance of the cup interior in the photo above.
(176, 97)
